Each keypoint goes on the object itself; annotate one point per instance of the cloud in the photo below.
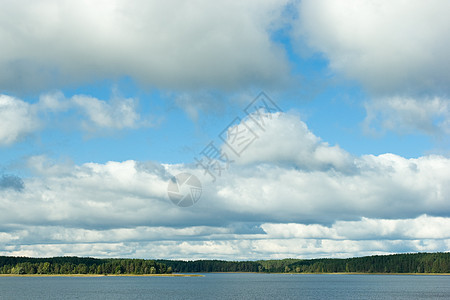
(92, 195)
(194, 103)
(342, 239)
(18, 119)
(396, 50)
(283, 139)
(275, 205)
(11, 182)
(406, 115)
(226, 45)
(297, 189)
(422, 227)
(117, 114)
(53, 102)
(391, 47)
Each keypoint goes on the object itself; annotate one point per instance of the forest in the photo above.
(79, 265)
(396, 263)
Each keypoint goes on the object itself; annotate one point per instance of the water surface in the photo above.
(229, 286)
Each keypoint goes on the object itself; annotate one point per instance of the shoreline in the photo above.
(102, 275)
(204, 274)
(333, 273)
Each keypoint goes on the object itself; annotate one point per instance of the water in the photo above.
(229, 286)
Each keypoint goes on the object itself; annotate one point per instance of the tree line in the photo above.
(396, 263)
(80, 265)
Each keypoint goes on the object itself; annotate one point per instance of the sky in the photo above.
(313, 128)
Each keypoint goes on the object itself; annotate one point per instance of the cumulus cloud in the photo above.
(270, 206)
(422, 227)
(299, 188)
(117, 114)
(225, 45)
(283, 139)
(389, 46)
(53, 102)
(405, 115)
(18, 119)
(396, 49)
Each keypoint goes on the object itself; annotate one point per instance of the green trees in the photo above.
(398, 263)
(79, 265)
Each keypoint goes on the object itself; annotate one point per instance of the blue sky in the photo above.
(101, 103)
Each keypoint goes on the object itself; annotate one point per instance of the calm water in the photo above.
(229, 286)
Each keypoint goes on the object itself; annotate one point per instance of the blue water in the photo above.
(229, 286)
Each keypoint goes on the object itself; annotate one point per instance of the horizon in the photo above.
(212, 259)
(234, 131)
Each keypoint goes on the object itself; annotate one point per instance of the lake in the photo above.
(229, 286)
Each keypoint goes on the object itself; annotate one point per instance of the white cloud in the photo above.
(117, 114)
(405, 115)
(389, 46)
(17, 120)
(342, 239)
(297, 189)
(270, 206)
(397, 50)
(385, 186)
(54, 102)
(284, 139)
(168, 45)
(422, 227)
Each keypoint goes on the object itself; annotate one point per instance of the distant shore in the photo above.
(437, 263)
(362, 273)
(102, 275)
(332, 273)
(203, 274)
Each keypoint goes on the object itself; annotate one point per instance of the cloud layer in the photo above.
(396, 49)
(276, 240)
(287, 193)
(390, 47)
(172, 45)
(277, 204)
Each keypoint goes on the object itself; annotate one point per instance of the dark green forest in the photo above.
(79, 265)
(396, 263)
